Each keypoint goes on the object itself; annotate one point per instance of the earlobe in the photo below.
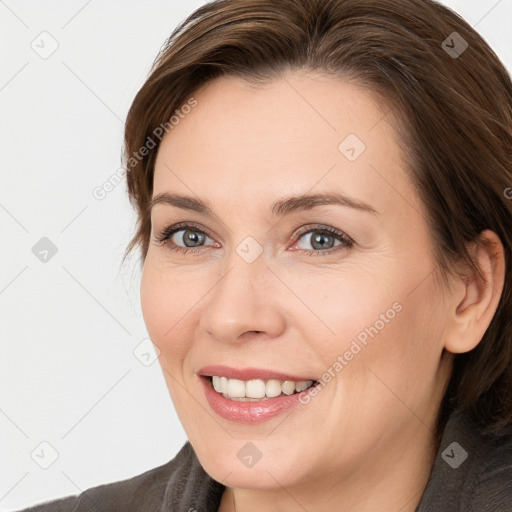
(473, 313)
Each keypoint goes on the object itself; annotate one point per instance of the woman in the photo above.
(323, 198)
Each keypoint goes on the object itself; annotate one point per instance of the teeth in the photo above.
(256, 389)
(236, 388)
(302, 385)
(288, 387)
(273, 388)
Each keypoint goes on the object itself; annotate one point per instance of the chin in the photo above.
(227, 465)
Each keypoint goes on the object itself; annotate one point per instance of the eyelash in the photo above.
(167, 233)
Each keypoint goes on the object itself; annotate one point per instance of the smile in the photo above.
(253, 395)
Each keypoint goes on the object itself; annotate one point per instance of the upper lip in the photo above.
(248, 373)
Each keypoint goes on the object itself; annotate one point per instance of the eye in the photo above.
(190, 235)
(323, 238)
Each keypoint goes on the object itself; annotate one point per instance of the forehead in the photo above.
(296, 134)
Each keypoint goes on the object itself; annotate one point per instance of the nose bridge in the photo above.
(245, 270)
(239, 301)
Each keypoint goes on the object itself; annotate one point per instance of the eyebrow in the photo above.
(280, 208)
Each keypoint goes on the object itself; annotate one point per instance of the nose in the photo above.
(243, 304)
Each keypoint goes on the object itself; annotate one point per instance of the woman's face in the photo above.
(267, 288)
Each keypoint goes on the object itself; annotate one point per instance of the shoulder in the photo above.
(471, 472)
(492, 487)
(146, 491)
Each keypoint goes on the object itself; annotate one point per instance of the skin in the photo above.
(364, 443)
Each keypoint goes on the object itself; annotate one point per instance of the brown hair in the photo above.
(452, 116)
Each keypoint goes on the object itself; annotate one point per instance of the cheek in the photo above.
(344, 304)
(152, 300)
(401, 358)
(373, 320)
(162, 306)
(169, 302)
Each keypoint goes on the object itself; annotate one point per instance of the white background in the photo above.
(68, 327)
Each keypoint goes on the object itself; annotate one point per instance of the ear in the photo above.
(474, 300)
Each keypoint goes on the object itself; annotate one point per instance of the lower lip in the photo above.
(250, 412)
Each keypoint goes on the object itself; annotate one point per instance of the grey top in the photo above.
(471, 473)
